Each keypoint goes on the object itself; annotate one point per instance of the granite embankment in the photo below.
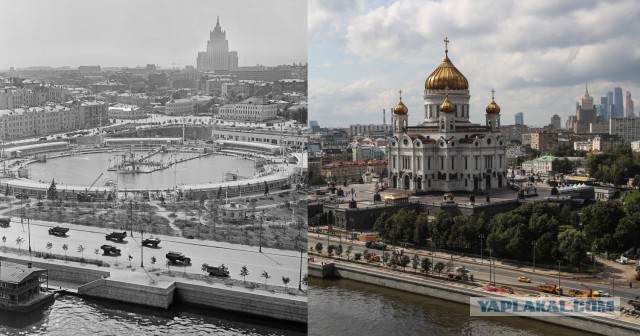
(461, 294)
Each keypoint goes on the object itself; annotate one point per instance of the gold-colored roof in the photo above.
(395, 196)
(447, 106)
(400, 109)
(446, 75)
(493, 108)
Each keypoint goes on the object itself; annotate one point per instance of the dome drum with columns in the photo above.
(447, 152)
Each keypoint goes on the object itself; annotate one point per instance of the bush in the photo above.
(357, 256)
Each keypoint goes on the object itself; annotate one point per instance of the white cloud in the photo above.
(537, 54)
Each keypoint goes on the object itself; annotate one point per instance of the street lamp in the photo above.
(131, 216)
(481, 238)
(534, 243)
(559, 261)
(300, 276)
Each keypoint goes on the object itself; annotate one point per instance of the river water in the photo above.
(84, 169)
(346, 307)
(70, 315)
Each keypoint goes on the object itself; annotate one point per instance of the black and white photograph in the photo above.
(154, 167)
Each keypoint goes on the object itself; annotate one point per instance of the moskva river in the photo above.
(70, 315)
(346, 307)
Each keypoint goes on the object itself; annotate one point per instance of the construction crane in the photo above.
(589, 288)
(84, 196)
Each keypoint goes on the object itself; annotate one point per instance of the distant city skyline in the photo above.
(537, 55)
(120, 33)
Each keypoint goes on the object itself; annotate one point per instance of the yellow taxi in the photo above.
(523, 279)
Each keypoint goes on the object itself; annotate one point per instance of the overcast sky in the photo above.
(131, 33)
(537, 54)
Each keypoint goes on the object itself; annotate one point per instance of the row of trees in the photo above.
(553, 231)
(614, 165)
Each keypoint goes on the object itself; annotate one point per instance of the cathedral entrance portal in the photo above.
(488, 181)
(419, 184)
(500, 181)
(406, 182)
(475, 183)
(395, 182)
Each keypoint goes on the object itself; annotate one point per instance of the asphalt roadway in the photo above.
(278, 263)
(504, 274)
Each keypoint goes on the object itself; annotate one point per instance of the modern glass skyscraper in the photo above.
(519, 118)
(617, 103)
(628, 107)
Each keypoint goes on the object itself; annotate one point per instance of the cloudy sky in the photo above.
(131, 33)
(537, 54)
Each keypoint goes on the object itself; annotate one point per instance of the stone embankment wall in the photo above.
(130, 293)
(63, 272)
(291, 310)
(603, 326)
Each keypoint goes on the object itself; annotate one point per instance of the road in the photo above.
(505, 276)
(277, 263)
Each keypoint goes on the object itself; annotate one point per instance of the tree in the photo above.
(65, 247)
(153, 261)
(285, 281)
(244, 272)
(404, 261)
(385, 257)
(130, 257)
(4, 240)
(449, 265)
(266, 276)
(425, 265)
(81, 250)
(438, 267)
(97, 253)
(19, 241)
(628, 231)
(600, 221)
(357, 256)
(52, 193)
(415, 262)
(319, 248)
(330, 249)
(573, 244)
(204, 267)
(339, 250)
(49, 247)
(632, 205)
(348, 252)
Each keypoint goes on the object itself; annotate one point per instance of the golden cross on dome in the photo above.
(492, 93)
(446, 45)
(400, 94)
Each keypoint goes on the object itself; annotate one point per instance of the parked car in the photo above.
(110, 250)
(178, 257)
(375, 245)
(221, 270)
(151, 242)
(117, 236)
(58, 231)
(4, 221)
(22, 196)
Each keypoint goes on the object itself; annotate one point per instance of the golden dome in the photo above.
(401, 108)
(447, 106)
(446, 75)
(493, 108)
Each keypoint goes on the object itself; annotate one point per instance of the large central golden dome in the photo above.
(446, 75)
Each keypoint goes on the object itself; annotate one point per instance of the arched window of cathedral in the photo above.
(500, 143)
(442, 124)
(488, 141)
(453, 144)
(441, 143)
(477, 144)
(417, 143)
(405, 142)
(393, 143)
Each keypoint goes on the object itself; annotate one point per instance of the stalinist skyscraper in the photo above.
(217, 56)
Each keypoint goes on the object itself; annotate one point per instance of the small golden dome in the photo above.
(493, 108)
(447, 106)
(446, 75)
(400, 108)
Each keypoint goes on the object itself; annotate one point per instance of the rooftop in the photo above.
(15, 273)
